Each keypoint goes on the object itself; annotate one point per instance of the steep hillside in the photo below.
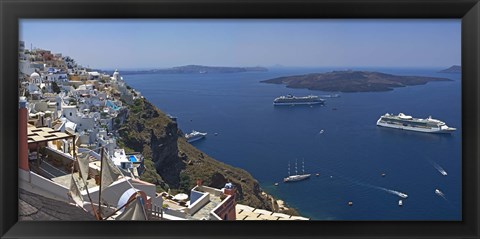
(174, 164)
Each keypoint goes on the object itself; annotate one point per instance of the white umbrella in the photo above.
(181, 197)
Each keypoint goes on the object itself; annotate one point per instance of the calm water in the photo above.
(351, 153)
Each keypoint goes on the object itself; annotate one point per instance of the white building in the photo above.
(35, 78)
(110, 143)
(82, 120)
(116, 76)
(35, 84)
(93, 75)
(26, 67)
(56, 75)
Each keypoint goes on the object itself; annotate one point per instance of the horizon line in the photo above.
(270, 66)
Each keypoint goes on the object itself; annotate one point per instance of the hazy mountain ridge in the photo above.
(197, 69)
(452, 69)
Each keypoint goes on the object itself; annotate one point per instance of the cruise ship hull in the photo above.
(195, 138)
(417, 129)
(298, 103)
(294, 100)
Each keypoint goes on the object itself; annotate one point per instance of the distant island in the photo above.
(351, 81)
(452, 69)
(198, 69)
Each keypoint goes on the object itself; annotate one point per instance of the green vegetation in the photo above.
(55, 87)
(185, 182)
(121, 144)
(150, 175)
(138, 106)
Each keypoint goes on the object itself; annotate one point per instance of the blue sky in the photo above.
(123, 44)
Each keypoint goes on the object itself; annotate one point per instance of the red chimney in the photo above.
(22, 134)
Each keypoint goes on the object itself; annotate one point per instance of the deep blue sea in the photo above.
(351, 153)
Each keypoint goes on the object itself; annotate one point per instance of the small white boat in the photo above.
(403, 195)
(400, 202)
(440, 193)
(331, 96)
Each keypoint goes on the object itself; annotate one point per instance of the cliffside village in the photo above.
(69, 158)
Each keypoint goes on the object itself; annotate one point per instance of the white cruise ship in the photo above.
(407, 122)
(194, 136)
(298, 100)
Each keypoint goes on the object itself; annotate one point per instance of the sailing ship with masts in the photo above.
(296, 177)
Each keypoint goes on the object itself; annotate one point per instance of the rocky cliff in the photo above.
(172, 163)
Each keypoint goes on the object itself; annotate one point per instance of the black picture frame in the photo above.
(467, 10)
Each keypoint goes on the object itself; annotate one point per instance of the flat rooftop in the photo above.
(204, 212)
(244, 212)
(44, 134)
